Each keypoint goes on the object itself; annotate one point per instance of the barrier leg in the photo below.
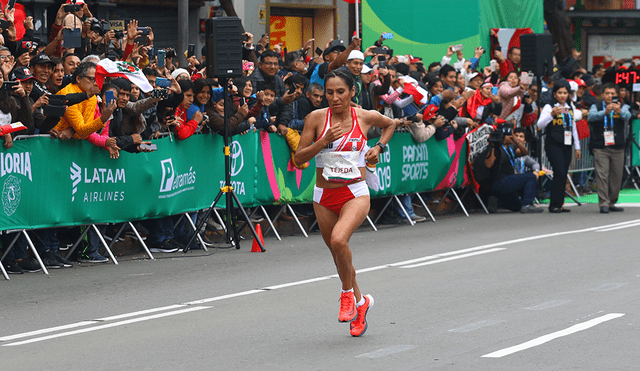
(573, 186)
(383, 209)
(404, 211)
(274, 220)
(204, 246)
(104, 243)
(13, 242)
(482, 203)
(425, 206)
(460, 202)
(144, 245)
(371, 223)
(35, 252)
(266, 215)
(75, 245)
(115, 238)
(224, 226)
(295, 217)
(444, 197)
(462, 198)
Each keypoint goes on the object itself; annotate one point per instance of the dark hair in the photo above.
(269, 86)
(108, 86)
(185, 85)
(503, 79)
(610, 85)
(403, 68)
(82, 70)
(596, 68)
(512, 48)
(240, 82)
(268, 54)
(444, 70)
(290, 58)
(433, 82)
(122, 83)
(199, 85)
(67, 55)
(598, 89)
(432, 65)
(519, 130)
(345, 77)
(296, 79)
(151, 72)
(428, 77)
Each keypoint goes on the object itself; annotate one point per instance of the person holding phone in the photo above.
(511, 91)
(558, 119)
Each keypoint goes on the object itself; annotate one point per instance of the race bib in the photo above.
(341, 167)
(608, 138)
(567, 138)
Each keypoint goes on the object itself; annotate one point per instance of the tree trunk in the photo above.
(560, 27)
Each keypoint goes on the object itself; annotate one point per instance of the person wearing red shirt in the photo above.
(185, 128)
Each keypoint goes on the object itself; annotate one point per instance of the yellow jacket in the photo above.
(80, 116)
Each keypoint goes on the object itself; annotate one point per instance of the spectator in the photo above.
(511, 91)
(511, 63)
(607, 128)
(329, 55)
(41, 67)
(266, 119)
(185, 128)
(267, 73)
(525, 164)
(7, 61)
(57, 76)
(78, 121)
(558, 120)
(293, 63)
(307, 103)
(497, 166)
(24, 111)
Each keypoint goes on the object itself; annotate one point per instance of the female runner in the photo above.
(336, 137)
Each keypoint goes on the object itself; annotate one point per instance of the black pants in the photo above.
(560, 158)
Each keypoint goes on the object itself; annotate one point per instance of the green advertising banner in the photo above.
(48, 183)
(635, 151)
(427, 29)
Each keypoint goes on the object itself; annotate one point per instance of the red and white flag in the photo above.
(351, 1)
(507, 38)
(419, 94)
(109, 68)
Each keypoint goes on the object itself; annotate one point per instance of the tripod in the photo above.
(227, 190)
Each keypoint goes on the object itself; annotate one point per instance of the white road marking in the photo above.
(452, 254)
(549, 304)
(454, 258)
(547, 338)
(476, 325)
(105, 326)
(610, 286)
(619, 227)
(386, 351)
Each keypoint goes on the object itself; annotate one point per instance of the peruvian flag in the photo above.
(419, 94)
(351, 1)
(109, 68)
(507, 38)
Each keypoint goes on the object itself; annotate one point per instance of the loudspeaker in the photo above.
(536, 53)
(224, 47)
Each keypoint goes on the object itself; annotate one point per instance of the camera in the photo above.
(171, 53)
(8, 85)
(72, 8)
(99, 27)
(497, 136)
(159, 94)
(55, 108)
(244, 38)
(119, 34)
(4, 24)
(144, 30)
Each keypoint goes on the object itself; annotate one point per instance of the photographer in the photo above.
(496, 168)
(607, 126)
(14, 105)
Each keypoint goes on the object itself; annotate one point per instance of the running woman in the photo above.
(336, 136)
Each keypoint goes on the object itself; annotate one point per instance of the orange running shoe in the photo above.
(359, 325)
(348, 310)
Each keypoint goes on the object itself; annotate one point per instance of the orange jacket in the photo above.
(81, 116)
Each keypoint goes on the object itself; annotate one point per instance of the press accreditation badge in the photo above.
(608, 138)
(567, 138)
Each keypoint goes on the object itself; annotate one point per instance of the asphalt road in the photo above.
(488, 292)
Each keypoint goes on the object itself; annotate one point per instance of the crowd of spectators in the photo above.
(441, 99)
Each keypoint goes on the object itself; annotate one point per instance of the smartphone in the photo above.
(152, 146)
(565, 110)
(162, 82)
(387, 35)
(161, 54)
(382, 63)
(11, 4)
(457, 48)
(191, 50)
(493, 65)
(525, 78)
(54, 111)
(4, 24)
(615, 100)
(380, 51)
(494, 90)
(319, 51)
(109, 97)
(72, 38)
(145, 31)
(8, 85)
(498, 48)
(243, 101)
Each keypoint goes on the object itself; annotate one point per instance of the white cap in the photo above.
(403, 59)
(178, 72)
(365, 69)
(355, 54)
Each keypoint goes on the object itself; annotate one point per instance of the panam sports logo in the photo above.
(98, 178)
(174, 183)
(13, 164)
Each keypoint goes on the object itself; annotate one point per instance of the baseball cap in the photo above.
(355, 54)
(580, 82)
(365, 69)
(41, 59)
(333, 46)
(21, 74)
(474, 75)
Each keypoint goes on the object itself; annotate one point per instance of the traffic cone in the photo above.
(256, 247)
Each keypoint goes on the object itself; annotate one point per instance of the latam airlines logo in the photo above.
(13, 164)
(97, 176)
(174, 183)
